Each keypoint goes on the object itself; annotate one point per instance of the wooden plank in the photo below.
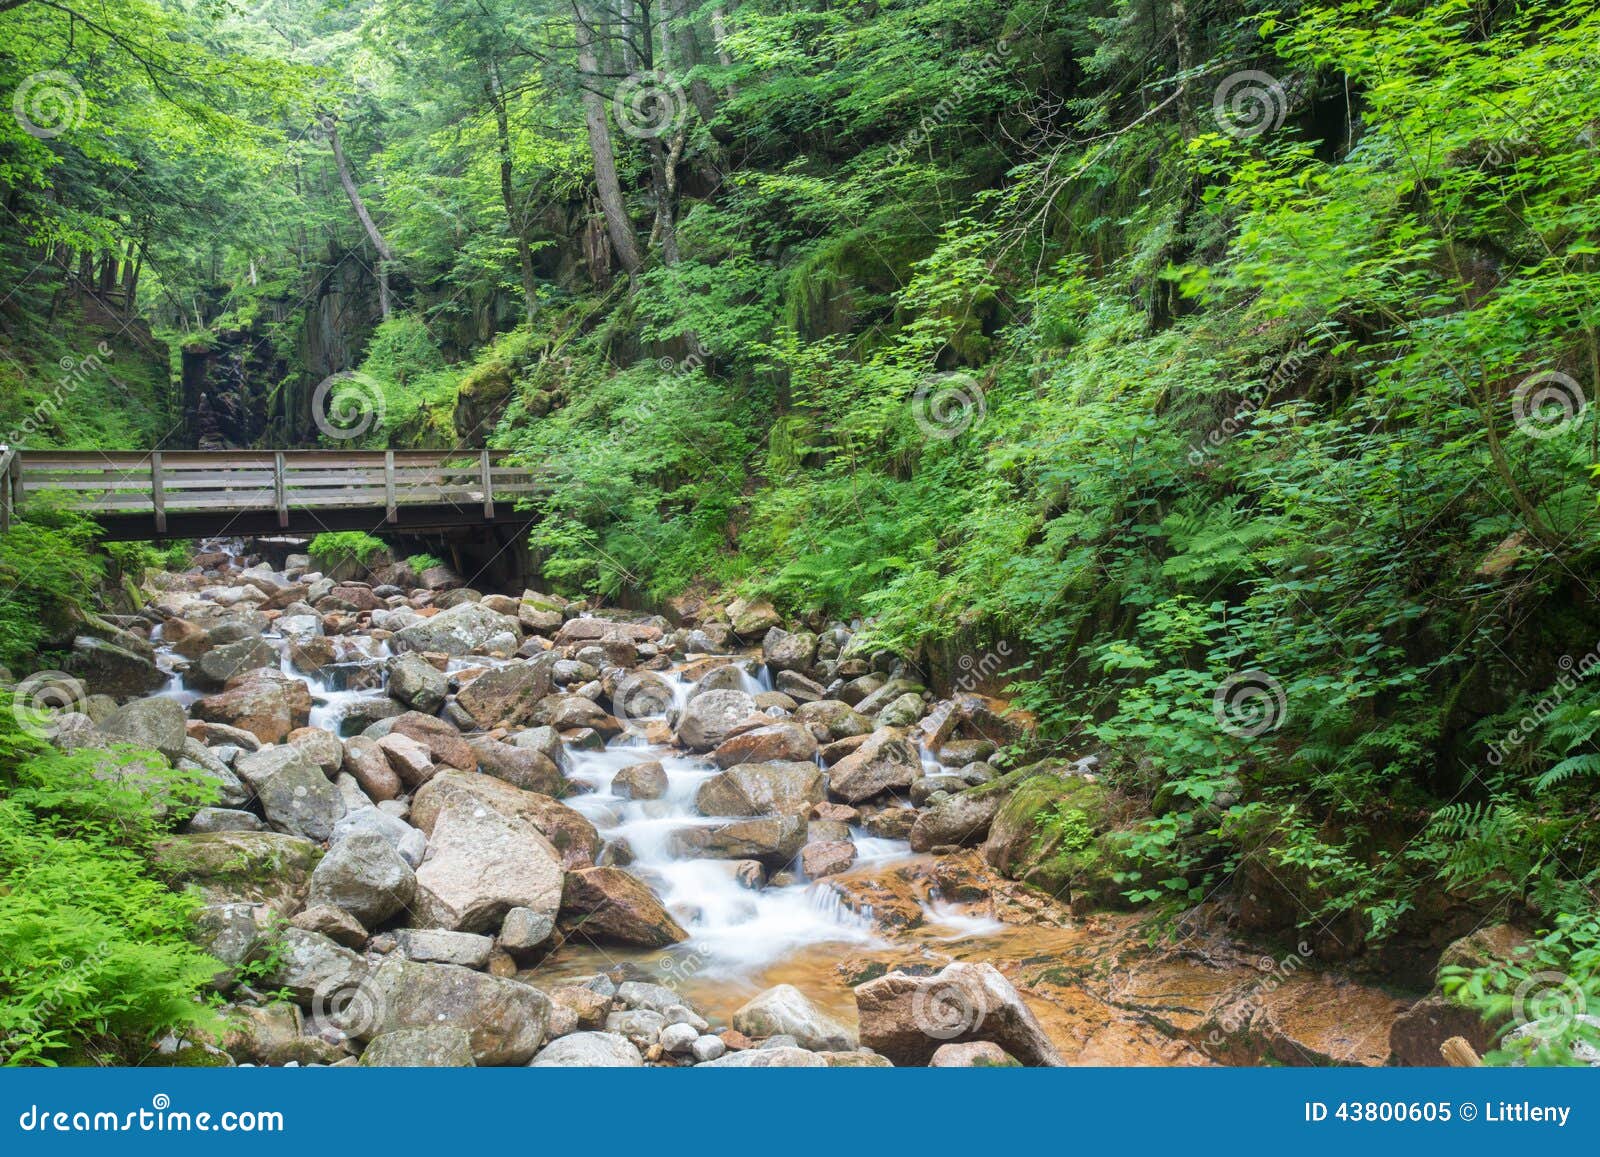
(282, 501)
(158, 496)
(389, 512)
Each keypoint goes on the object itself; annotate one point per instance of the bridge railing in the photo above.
(223, 482)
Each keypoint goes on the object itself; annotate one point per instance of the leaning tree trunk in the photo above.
(385, 254)
(620, 230)
(515, 221)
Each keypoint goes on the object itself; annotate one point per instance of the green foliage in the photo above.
(49, 576)
(94, 963)
(334, 546)
(422, 562)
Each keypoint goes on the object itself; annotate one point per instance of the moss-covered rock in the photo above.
(1055, 832)
(241, 867)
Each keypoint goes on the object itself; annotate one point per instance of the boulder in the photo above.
(522, 767)
(799, 688)
(365, 876)
(436, 946)
(309, 966)
(777, 1058)
(572, 712)
(906, 1018)
(757, 789)
(154, 724)
(504, 1019)
(458, 630)
(1417, 1033)
(609, 906)
(435, 1046)
(573, 837)
(265, 702)
(711, 716)
(962, 819)
(785, 1011)
(779, 742)
(444, 743)
(786, 651)
(338, 926)
(640, 781)
(541, 613)
(368, 819)
(240, 867)
(773, 840)
(214, 668)
(410, 760)
(523, 930)
(589, 1050)
(830, 720)
(481, 864)
(885, 762)
(366, 762)
(217, 819)
(417, 683)
(752, 618)
(324, 748)
(295, 796)
(827, 858)
(507, 696)
(108, 669)
(978, 1054)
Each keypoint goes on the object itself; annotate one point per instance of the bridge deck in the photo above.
(205, 493)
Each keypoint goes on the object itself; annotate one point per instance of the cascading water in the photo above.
(735, 931)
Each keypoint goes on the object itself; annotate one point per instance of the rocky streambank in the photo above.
(455, 827)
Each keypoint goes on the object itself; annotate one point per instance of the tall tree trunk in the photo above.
(515, 220)
(385, 254)
(623, 242)
(689, 56)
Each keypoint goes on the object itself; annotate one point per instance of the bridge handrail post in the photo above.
(390, 512)
(158, 492)
(488, 487)
(279, 494)
(8, 459)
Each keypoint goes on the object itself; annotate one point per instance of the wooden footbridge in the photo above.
(213, 493)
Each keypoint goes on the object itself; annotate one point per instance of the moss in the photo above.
(1056, 833)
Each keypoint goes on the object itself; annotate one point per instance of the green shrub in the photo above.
(421, 562)
(338, 546)
(94, 960)
(48, 573)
